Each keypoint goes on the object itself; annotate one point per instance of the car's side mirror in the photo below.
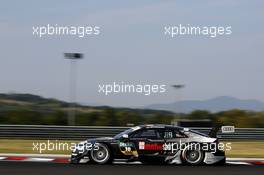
(125, 137)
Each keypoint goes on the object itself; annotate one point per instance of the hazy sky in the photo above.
(132, 48)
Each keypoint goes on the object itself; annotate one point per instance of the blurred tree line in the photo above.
(236, 117)
(123, 117)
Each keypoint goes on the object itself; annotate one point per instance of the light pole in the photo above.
(73, 83)
(178, 87)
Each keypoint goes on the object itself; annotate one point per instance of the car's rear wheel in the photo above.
(192, 156)
(102, 155)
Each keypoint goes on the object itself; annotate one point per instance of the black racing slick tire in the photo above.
(102, 155)
(192, 156)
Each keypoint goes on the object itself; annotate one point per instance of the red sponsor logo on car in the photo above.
(149, 146)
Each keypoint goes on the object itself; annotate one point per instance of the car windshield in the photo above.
(199, 133)
(128, 131)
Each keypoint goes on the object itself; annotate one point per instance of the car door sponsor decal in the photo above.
(128, 148)
(141, 145)
(150, 146)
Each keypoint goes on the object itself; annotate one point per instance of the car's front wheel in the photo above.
(101, 155)
(192, 156)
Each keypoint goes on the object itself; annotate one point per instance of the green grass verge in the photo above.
(246, 149)
(29, 146)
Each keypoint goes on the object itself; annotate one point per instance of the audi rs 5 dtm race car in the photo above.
(158, 144)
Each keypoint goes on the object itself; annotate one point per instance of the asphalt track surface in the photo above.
(40, 168)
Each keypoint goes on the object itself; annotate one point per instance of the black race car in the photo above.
(162, 144)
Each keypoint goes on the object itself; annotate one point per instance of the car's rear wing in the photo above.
(213, 131)
(224, 129)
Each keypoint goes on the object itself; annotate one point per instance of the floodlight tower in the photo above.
(73, 57)
(178, 87)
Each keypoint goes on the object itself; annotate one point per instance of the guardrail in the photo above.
(84, 132)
